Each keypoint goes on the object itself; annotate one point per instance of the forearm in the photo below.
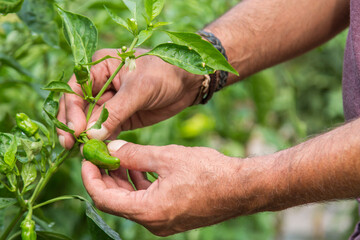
(321, 169)
(258, 34)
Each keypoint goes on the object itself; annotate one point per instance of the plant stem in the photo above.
(103, 89)
(66, 197)
(134, 42)
(4, 184)
(44, 180)
(20, 199)
(108, 82)
(12, 224)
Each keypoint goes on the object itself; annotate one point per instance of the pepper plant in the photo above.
(29, 155)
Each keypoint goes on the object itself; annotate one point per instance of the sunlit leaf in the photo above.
(143, 36)
(9, 156)
(182, 57)
(212, 57)
(117, 19)
(81, 34)
(58, 86)
(153, 8)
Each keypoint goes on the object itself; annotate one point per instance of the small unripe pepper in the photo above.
(81, 74)
(96, 152)
(28, 229)
(26, 124)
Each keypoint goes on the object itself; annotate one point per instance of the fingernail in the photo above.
(90, 125)
(114, 146)
(100, 134)
(71, 125)
(81, 149)
(62, 141)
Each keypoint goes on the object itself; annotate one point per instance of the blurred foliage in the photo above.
(271, 110)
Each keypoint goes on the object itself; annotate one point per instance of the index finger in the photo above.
(117, 201)
(75, 108)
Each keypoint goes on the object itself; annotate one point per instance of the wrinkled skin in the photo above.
(153, 92)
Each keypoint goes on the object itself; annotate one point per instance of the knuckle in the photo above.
(114, 119)
(130, 151)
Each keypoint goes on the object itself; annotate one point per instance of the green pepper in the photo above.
(26, 124)
(28, 229)
(81, 74)
(96, 152)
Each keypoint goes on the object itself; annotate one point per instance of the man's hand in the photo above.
(153, 92)
(199, 186)
(195, 186)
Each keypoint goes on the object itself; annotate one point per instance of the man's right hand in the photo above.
(153, 92)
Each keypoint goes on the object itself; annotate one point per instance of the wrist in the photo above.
(192, 84)
(227, 42)
(259, 185)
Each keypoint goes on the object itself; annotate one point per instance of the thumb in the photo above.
(138, 157)
(121, 107)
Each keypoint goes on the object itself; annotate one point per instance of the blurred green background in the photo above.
(269, 111)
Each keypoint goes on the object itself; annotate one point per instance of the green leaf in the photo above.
(4, 168)
(160, 24)
(58, 86)
(143, 36)
(131, 5)
(126, 54)
(97, 226)
(5, 141)
(7, 202)
(51, 235)
(43, 129)
(10, 6)
(212, 57)
(13, 181)
(81, 35)
(31, 148)
(11, 62)
(103, 116)
(182, 57)
(59, 124)
(117, 19)
(9, 156)
(50, 105)
(28, 173)
(153, 8)
(39, 17)
(133, 26)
